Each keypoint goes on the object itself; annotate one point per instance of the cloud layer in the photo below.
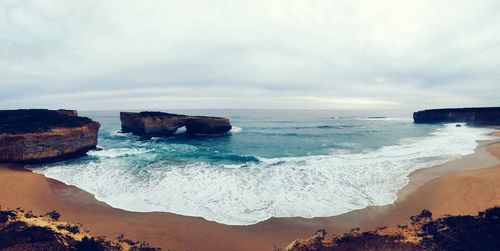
(249, 54)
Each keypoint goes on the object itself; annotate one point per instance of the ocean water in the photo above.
(272, 164)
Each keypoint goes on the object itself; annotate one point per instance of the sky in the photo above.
(310, 54)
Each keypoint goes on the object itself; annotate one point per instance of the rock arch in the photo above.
(160, 124)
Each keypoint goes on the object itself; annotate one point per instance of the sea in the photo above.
(273, 163)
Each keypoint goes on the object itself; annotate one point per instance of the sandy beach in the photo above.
(249, 125)
(463, 186)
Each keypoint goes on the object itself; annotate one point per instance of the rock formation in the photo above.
(160, 124)
(465, 232)
(23, 230)
(478, 116)
(38, 135)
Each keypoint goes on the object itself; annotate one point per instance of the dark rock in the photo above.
(476, 116)
(458, 125)
(160, 124)
(39, 135)
(424, 215)
(53, 215)
(5, 215)
(38, 120)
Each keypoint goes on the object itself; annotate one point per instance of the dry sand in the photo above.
(464, 186)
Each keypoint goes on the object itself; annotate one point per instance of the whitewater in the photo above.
(244, 184)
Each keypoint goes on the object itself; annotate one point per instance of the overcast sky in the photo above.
(306, 54)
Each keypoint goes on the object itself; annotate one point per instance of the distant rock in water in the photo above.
(160, 124)
(477, 116)
(40, 135)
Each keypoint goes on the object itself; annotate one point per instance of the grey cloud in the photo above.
(300, 54)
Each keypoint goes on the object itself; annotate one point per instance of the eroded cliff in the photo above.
(38, 135)
(160, 124)
(479, 116)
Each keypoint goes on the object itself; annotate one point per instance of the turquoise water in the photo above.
(271, 134)
(273, 163)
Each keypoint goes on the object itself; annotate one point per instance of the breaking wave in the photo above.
(253, 189)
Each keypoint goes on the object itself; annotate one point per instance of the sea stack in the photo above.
(161, 124)
(40, 135)
(475, 116)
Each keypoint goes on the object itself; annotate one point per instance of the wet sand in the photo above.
(464, 186)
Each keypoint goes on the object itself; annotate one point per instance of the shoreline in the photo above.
(456, 187)
(481, 154)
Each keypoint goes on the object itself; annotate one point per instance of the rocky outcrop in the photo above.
(478, 116)
(465, 232)
(23, 230)
(37, 135)
(160, 124)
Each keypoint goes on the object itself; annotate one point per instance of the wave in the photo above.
(118, 134)
(335, 126)
(305, 127)
(386, 119)
(236, 129)
(235, 158)
(117, 152)
(246, 193)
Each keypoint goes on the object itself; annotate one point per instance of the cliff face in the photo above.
(159, 124)
(28, 136)
(479, 116)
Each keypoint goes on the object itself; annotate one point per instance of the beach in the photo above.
(249, 125)
(463, 186)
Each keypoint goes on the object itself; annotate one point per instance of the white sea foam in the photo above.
(310, 186)
(236, 129)
(117, 152)
(117, 133)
